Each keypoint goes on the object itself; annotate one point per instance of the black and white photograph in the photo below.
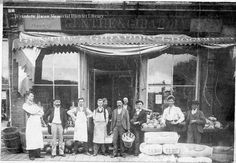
(118, 81)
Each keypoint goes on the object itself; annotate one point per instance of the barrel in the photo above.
(11, 139)
(23, 139)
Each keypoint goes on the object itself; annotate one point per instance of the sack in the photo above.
(194, 160)
(170, 149)
(151, 149)
(161, 137)
(49, 129)
(160, 158)
(194, 150)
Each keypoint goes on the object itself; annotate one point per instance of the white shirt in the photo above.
(56, 118)
(173, 114)
(138, 111)
(125, 106)
(193, 111)
(119, 110)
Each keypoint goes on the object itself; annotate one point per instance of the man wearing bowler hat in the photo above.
(57, 119)
(195, 121)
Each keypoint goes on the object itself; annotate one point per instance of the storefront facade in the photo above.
(136, 50)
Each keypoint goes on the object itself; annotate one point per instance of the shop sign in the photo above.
(42, 23)
(127, 23)
(110, 23)
(206, 25)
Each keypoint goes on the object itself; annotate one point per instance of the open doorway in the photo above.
(113, 85)
(112, 78)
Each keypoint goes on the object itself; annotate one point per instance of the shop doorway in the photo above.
(113, 85)
(107, 80)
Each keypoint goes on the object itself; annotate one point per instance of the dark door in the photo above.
(113, 85)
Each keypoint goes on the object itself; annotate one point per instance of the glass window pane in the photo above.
(67, 95)
(184, 69)
(44, 95)
(183, 97)
(156, 97)
(160, 69)
(44, 69)
(66, 68)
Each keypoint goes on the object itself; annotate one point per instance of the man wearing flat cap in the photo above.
(57, 119)
(195, 121)
(139, 117)
(172, 116)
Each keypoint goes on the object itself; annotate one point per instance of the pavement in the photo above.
(7, 156)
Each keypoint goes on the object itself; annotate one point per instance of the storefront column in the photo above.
(84, 78)
(143, 80)
(17, 115)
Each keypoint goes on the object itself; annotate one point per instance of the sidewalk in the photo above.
(7, 156)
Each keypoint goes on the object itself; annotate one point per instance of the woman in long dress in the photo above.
(100, 119)
(33, 133)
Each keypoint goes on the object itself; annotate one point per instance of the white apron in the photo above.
(80, 130)
(33, 133)
(100, 130)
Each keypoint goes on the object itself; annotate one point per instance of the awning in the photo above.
(91, 42)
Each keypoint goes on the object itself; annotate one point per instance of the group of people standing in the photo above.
(117, 122)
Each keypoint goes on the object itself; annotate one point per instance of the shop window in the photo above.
(56, 76)
(171, 74)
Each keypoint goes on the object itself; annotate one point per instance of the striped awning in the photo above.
(44, 40)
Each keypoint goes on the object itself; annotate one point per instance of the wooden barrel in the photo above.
(23, 139)
(11, 139)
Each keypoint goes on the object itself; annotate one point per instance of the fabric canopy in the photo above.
(117, 44)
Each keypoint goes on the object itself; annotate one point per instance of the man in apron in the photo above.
(100, 120)
(33, 133)
(80, 117)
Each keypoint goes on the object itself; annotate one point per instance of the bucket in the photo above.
(11, 139)
(23, 139)
(128, 139)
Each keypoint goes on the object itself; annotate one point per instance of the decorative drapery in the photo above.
(43, 40)
(27, 47)
(26, 59)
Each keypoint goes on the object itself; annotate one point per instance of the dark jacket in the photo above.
(141, 118)
(49, 115)
(124, 119)
(201, 120)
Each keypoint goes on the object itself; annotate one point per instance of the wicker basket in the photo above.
(128, 139)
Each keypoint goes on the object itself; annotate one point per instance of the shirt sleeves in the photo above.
(163, 119)
(71, 112)
(32, 109)
(181, 116)
(89, 113)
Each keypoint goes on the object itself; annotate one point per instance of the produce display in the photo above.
(153, 121)
(212, 123)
